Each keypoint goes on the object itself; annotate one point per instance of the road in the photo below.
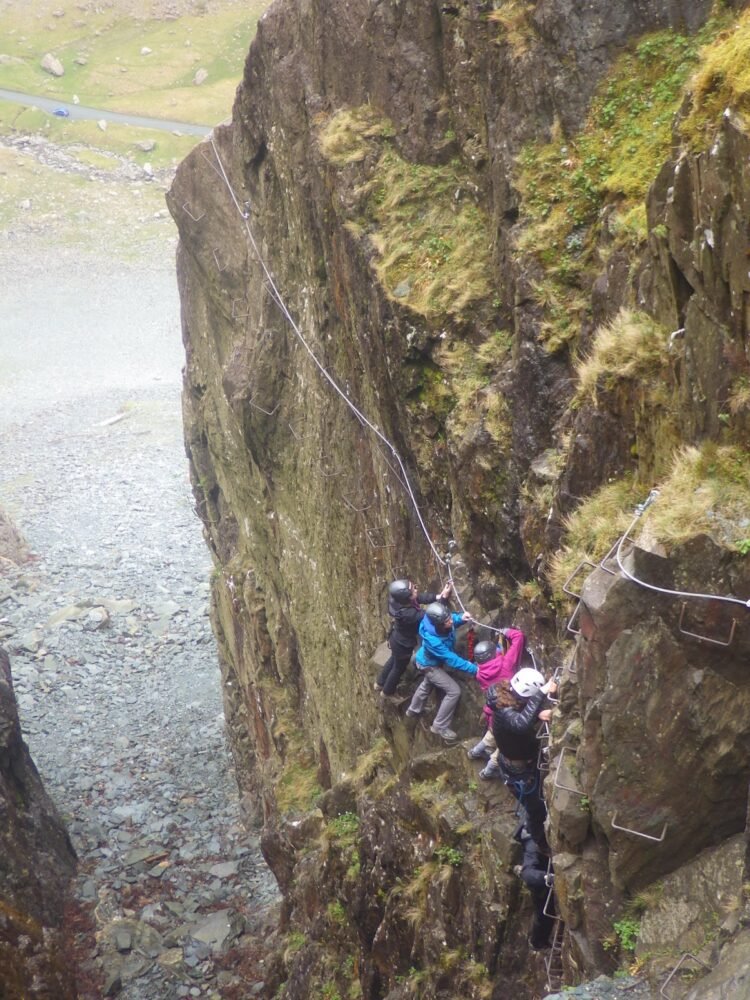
(78, 111)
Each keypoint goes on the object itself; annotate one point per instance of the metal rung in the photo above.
(569, 626)
(557, 782)
(609, 556)
(637, 833)
(573, 575)
(549, 880)
(374, 543)
(554, 955)
(268, 413)
(705, 638)
(544, 733)
(235, 313)
(556, 678)
(351, 506)
(195, 218)
(219, 266)
(674, 971)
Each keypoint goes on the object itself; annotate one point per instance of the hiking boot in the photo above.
(412, 714)
(377, 687)
(446, 735)
(479, 752)
(490, 770)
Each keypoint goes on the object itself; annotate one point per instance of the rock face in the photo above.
(36, 864)
(349, 411)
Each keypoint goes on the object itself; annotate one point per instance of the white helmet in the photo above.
(526, 682)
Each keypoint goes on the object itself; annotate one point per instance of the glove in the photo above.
(491, 697)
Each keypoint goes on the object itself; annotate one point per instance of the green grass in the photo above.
(705, 491)
(432, 249)
(612, 160)
(722, 81)
(115, 74)
(631, 347)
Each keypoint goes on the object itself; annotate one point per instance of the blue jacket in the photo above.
(437, 648)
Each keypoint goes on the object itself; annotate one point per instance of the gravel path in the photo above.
(113, 659)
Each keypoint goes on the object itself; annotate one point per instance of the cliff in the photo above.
(37, 863)
(478, 273)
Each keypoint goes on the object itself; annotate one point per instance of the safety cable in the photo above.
(276, 295)
(403, 477)
(639, 511)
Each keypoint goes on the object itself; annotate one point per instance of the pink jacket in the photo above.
(503, 666)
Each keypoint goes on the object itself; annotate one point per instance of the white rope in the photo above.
(403, 476)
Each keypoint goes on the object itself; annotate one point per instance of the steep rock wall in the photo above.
(345, 108)
(36, 865)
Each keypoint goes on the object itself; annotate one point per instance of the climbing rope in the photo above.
(639, 512)
(277, 298)
(400, 473)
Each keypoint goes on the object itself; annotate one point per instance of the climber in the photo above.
(438, 632)
(404, 601)
(516, 710)
(495, 664)
(534, 874)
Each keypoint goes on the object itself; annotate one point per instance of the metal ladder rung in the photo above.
(638, 833)
(706, 638)
(569, 626)
(573, 575)
(674, 972)
(557, 782)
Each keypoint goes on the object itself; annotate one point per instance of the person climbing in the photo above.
(516, 710)
(495, 663)
(536, 874)
(438, 632)
(404, 600)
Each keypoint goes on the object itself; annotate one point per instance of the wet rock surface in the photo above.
(112, 655)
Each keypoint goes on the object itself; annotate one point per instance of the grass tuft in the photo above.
(722, 81)
(632, 346)
(611, 161)
(514, 18)
(432, 239)
(706, 491)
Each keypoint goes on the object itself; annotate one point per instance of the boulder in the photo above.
(52, 65)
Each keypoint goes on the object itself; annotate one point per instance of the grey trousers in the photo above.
(436, 677)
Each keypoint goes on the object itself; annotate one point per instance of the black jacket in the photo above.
(515, 731)
(406, 619)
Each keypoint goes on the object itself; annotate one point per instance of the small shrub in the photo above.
(449, 855)
(632, 346)
(345, 826)
(627, 931)
(336, 912)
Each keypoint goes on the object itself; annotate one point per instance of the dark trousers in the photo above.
(394, 669)
(526, 785)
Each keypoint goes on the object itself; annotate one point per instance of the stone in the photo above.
(146, 145)
(200, 77)
(102, 125)
(145, 51)
(225, 870)
(52, 65)
(219, 929)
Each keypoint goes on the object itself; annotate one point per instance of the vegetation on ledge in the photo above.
(614, 158)
(707, 491)
(432, 238)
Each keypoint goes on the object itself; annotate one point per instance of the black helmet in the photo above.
(484, 651)
(437, 613)
(400, 591)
